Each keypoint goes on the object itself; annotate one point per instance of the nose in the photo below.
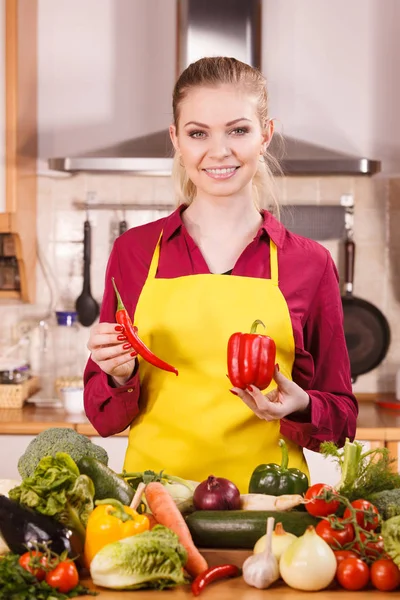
(219, 148)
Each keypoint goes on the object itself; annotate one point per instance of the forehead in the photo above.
(217, 104)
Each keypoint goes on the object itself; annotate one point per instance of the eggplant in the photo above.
(21, 527)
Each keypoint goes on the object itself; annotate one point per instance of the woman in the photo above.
(209, 269)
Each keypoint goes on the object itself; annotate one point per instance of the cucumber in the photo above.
(107, 483)
(241, 528)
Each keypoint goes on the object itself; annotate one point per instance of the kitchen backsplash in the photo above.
(60, 232)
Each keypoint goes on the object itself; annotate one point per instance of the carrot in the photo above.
(152, 520)
(166, 513)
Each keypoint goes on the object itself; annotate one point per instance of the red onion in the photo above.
(216, 493)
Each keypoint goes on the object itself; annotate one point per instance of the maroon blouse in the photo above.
(307, 278)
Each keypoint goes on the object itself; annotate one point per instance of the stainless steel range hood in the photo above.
(206, 28)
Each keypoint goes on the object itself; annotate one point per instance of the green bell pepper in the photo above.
(276, 480)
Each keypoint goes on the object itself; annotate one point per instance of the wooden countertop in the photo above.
(237, 589)
(374, 422)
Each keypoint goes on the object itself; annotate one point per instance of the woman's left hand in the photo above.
(286, 398)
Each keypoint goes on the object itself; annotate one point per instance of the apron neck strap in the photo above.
(154, 260)
(273, 251)
(273, 261)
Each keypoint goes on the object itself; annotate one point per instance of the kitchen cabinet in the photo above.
(18, 143)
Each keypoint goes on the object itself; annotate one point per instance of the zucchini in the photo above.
(107, 484)
(241, 528)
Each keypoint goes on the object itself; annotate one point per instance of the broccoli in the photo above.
(58, 439)
(387, 502)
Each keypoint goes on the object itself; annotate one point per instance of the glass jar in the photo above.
(67, 349)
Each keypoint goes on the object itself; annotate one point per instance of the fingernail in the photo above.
(249, 388)
(277, 367)
(234, 393)
(126, 346)
(133, 353)
(119, 328)
(121, 338)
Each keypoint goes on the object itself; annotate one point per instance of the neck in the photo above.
(222, 216)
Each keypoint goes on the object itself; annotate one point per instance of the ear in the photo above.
(173, 136)
(267, 135)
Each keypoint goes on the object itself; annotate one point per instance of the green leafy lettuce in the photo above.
(57, 489)
(153, 559)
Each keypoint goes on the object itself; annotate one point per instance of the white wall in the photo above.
(333, 72)
(107, 68)
(2, 108)
(106, 71)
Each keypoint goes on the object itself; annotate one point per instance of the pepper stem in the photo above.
(119, 509)
(255, 325)
(285, 455)
(119, 299)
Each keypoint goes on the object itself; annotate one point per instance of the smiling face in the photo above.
(220, 139)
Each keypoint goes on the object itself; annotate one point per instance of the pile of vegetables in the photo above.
(143, 529)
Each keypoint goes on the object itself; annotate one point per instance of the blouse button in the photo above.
(130, 390)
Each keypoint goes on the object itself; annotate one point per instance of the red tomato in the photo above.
(320, 508)
(353, 574)
(366, 521)
(341, 555)
(64, 577)
(374, 548)
(29, 560)
(385, 575)
(336, 538)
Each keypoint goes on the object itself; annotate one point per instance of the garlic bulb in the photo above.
(281, 540)
(308, 564)
(261, 570)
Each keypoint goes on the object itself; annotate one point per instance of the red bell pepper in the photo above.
(251, 358)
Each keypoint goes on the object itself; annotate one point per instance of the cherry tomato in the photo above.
(335, 538)
(369, 522)
(341, 555)
(320, 508)
(64, 577)
(27, 558)
(385, 575)
(374, 548)
(353, 574)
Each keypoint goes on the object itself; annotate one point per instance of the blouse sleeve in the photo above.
(333, 410)
(110, 409)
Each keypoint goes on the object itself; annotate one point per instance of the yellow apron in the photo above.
(190, 425)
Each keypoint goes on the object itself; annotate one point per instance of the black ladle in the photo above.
(86, 306)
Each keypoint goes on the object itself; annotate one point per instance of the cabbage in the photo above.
(153, 559)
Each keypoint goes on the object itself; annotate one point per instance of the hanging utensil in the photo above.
(123, 225)
(86, 306)
(366, 328)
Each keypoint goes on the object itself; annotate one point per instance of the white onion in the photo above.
(308, 564)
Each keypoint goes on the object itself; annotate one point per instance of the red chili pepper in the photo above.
(251, 358)
(122, 317)
(213, 574)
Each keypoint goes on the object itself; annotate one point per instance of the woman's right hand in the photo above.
(111, 351)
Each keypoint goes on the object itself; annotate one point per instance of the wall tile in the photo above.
(394, 194)
(137, 190)
(331, 188)
(369, 225)
(302, 190)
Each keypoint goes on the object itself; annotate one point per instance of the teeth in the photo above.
(221, 171)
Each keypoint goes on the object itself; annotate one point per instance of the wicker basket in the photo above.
(15, 395)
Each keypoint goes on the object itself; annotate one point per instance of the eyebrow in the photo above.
(204, 126)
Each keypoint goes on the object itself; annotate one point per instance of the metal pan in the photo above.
(366, 328)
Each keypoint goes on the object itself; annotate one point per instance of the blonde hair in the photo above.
(214, 71)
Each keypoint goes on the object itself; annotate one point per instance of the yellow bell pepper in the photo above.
(109, 522)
